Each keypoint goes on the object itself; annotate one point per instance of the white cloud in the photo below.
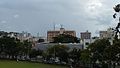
(36, 15)
(3, 21)
(16, 16)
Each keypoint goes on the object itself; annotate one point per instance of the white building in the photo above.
(86, 43)
(109, 34)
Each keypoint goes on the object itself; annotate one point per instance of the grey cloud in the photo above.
(17, 5)
(39, 15)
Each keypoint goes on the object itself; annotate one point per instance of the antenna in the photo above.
(61, 25)
(38, 34)
(54, 26)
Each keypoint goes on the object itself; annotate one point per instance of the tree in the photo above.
(41, 40)
(34, 53)
(97, 50)
(26, 48)
(9, 46)
(63, 38)
(74, 55)
(85, 56)
(112, 53)
(60, 51)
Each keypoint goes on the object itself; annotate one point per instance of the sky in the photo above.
(39, 16)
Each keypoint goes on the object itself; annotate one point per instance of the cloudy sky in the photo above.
(39, 15)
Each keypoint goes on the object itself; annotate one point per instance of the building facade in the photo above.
(109, 33)
(86, 35)
(103, 34)
(55, 33)
(85, 38)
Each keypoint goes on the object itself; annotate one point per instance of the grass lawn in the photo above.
(19, 64)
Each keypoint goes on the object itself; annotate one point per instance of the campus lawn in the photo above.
(19, 64)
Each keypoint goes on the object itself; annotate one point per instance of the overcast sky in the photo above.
(39, 15)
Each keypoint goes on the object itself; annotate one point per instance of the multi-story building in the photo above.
(24, 36)
(54, 33)
(93, 39)
(103, 34)
(86, 38)
(107, 34)
(86, 35)
(21, 36)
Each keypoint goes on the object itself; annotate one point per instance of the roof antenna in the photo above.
(54, 26)
(61, 25)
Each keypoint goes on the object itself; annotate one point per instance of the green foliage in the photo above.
(41, 40)
(34, 53)
(113, 52)
(75, 54)
(12, 47)
(8, 45)
(85, 56)
(62, 38)
(60, 51)
(27, 47)
(97, 49)
(101, 50)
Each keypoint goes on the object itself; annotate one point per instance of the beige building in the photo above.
(107, 34)
(103, 34)
(54, 33)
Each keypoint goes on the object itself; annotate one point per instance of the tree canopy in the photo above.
(63, 38)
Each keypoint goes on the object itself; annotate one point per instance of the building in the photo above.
(107, 34)
(24, 36)
(45, 46)
(54, 33)
(86, 35)
(93, 39)
(86, 38)
(103, 34)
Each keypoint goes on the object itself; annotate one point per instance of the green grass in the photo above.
(14, 64)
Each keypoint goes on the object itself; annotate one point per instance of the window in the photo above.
(87, 43)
